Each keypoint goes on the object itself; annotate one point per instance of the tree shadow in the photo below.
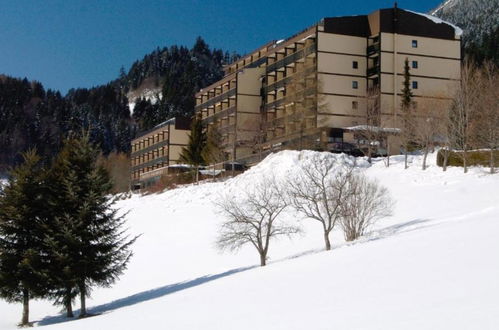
(376, 235)
(142, 297)
(399, 228)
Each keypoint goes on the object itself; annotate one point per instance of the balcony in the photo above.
(219, 115)
(291, 58)
(373, 49)
(374, 71)
(216, 99)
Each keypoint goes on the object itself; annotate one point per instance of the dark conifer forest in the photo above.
(32, 117)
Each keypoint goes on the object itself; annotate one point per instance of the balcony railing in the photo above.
(283, 82)
(373, 49)
(292, 58)
(221, 114)
(150, 163)
(373, 71)
(155, 146)
(216, 99)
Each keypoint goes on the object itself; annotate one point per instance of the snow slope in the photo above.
(432, 265)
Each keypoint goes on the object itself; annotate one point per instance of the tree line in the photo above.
(32, 117)
(178, 73)
(59, 233)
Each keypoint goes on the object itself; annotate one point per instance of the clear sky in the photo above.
(83, 43)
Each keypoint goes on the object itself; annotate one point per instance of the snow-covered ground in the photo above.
(433, 265)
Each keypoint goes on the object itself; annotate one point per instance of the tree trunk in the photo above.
(68, 303)
(83, 306)
(424, 157)
(465, 163)
(326, 240)
(197, 174)
(387, 152)
(446, 159)
(369, 153)
(405, 159)
(492, 161)
(25, 318)
(263, 259)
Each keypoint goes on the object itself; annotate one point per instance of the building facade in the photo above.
(154, 150)
(308, 90)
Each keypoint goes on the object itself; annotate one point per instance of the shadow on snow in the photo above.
(142, 296)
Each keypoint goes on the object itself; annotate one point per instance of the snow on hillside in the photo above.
(475, 17)
(152, 95)
(432, 265)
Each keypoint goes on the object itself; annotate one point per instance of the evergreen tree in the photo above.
(22, 265)
(407, 104)
(192, 154)
(88, 245)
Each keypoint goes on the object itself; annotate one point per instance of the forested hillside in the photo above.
(479, 20)
(31, 116)
(175, 74)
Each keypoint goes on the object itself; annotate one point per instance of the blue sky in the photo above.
(83, 43)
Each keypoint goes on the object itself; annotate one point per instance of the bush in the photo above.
(481, 157)
(169, 181)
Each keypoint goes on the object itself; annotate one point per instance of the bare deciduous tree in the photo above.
(429, 126)
(487, 118)
(372, 133)
(365, 202)
(462, 114)
(254, 218)
(319, 192)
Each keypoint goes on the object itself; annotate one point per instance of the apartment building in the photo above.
(153, 151)
(309, 90)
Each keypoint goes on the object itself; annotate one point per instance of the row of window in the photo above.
(355, 64)
(355, 84)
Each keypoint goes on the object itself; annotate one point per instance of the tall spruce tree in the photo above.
(406, 106)
(88, 245)
(192, 154)
(22, 262)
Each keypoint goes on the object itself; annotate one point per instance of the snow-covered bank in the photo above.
(432, 265)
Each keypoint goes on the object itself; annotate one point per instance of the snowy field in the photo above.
(433, 265)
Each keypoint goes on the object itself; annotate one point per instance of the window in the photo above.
(355, 64)
(414, 64)
(355, 105)
(355, 84)
(414, 85)
(414, 44)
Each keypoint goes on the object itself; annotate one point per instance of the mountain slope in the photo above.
(480, 21)
(475, 17)
(432, 265)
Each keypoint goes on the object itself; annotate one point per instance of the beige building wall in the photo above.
(337, 73)
(337, 43)
(426, 66)
(437, 73)
(426, 46)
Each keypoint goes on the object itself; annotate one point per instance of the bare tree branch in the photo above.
(254, 217)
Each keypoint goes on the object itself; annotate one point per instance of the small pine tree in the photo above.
(406, 107)
(192, 154)
(22, 264)
(86, 238)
